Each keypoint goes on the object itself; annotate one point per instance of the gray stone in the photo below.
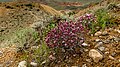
(101, 48)
(95, 55)
(98, 44)
(22, 64)
(106, 41)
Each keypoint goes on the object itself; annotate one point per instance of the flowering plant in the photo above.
(66, 34)
(87, 20)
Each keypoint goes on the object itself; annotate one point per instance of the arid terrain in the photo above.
(25, 24)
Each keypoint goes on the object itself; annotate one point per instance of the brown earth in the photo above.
(14, 16)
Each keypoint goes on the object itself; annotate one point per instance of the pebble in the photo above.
(86, 50)
(22, 64)
(97, 40)
(104, 33)
(95, 55)
(119, 60)
(33, 64)
(117, 30)
(98, 44)
(101, 48)
(1, 53)
(88, 60)
(117, 39)
(51, 57)
(98, 33)
(113, 54)
(112, 58)
(84, 65)
(106, 41)
(107, 52)
(84, 44)
(43, 62)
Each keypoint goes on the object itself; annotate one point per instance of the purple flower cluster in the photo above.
(66, 34)
(86, 19)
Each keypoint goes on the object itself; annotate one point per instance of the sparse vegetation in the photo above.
(41, 36)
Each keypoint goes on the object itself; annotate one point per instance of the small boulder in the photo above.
(95, 55)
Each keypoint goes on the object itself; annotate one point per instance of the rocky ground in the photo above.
(99, 50)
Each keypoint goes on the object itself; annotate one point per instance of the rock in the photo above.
(51, 57)
(106, 41)
(119, 60)
(44, 62)
(22, 64)
(98, 33)
(117, 30)
(88, 60)
(1, 53)
(33, 64)
(98, 44)
(104, 33)
(107, 52)
(84, 65)
(117, 39)
(111, 37)
(84, 44)
(112, 58)
(101, 48)
(95, 55)
(97, 40)
(113, 54)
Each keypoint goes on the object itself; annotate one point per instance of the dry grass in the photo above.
(50, 10)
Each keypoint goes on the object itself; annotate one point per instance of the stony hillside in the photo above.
(15, 15)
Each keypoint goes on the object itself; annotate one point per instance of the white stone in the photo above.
(97, 40)
(98, 33)
(112, 58)
(22, 64)
(34, 64)
(84, 65)
(84, 44)
(95, 55)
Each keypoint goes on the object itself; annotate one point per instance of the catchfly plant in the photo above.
(66, 34)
